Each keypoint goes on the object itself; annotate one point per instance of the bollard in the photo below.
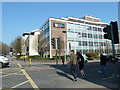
(30, 62)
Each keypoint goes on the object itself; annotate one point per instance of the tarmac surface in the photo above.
(41, 75)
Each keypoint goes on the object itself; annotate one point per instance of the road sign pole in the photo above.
(56, 52)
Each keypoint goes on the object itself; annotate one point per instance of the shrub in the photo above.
(67, 57)
(38, 57)
(18, 56)
(22, 57)
(92, 55)
(117, 54)
(54, 58)
(34, 57)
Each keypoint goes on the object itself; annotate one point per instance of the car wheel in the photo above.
(85, 61)
(1, 65)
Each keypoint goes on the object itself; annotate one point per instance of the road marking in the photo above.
(8, 74)
(18, 74)
(29, 78)
(6, 69)
(20, 84)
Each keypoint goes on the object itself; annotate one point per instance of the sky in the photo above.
(20, 17)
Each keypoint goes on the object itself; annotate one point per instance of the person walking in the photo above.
(80, 61)
(73, 62)
(103, 65)
(63, 60)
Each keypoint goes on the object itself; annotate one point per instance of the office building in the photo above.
(79, 34)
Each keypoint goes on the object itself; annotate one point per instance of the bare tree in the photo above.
(16, 44)
(4, 48)
(43, 44)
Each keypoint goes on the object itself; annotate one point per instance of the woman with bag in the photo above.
(80, 60)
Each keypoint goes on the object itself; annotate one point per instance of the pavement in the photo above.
(41, 75)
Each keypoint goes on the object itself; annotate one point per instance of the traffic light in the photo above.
(53, 42)
(107, 31)
(58, 43)
(115, 32)
(11, 49)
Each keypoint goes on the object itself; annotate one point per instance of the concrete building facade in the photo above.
(30, 43)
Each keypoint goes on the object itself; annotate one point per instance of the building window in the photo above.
(102, 43)
(89, 35)
(77, 26)
(96, 44)
(88, 27)
(90, 43)
(94, 28)
(91, 50)
(99, 29)
(100, 37)
(83, 27)
(79, 43)
(79, 34)
(84, 43)
(95, 36)
(85, 51)
(84, 35)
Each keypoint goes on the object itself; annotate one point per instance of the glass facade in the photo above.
(81, 36)
(85, 37)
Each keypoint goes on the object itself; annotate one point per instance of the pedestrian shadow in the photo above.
(65, 71)
(64, 75)
(92, 74)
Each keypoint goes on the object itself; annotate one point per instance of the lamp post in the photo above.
(64, 46)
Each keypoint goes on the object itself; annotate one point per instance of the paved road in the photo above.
(43, 75)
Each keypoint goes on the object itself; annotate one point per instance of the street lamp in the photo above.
(64, 45)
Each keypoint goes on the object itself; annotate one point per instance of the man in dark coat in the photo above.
(103, 65)
(80, 60)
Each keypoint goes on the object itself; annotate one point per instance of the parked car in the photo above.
(85, 58)
(110, 58)
(4, 61)
(117, 57)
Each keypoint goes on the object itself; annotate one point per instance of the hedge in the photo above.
(38, 57)
(92, 55)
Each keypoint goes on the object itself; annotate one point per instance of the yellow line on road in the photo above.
(8, 74)
(29, 78)
(18, 74)
(20, 84)
(11, 74)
